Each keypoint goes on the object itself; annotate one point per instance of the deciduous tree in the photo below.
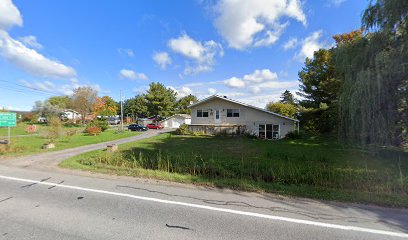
(285, 109)
(83, 101)
(105, 106)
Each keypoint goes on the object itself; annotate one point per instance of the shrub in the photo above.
(28, 117)
(93, 130)
(183, 130)
(199, 133)
(294, 135)
(250, 135)
(31, 129)
(102, 124)
(71, 123)
(54, 129)
(71, 133)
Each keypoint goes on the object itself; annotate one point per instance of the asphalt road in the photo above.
(53, 205)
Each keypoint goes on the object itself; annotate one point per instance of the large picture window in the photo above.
(202, 113)
(268, 131)
(232, 112)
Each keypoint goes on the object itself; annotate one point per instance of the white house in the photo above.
(219, 114)
(71, 114)
(176, 120)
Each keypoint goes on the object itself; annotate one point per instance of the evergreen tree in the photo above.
(160, 100)
(184, 102)
(287, 97)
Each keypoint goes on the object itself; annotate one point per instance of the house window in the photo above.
(232, 112)
(202, 113)
(268, 131)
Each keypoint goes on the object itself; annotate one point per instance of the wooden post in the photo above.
(9, 133)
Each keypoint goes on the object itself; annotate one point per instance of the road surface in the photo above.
(51, 205)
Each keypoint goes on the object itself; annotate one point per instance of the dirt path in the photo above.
(50, 160)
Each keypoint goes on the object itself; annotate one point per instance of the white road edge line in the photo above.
(252, 214)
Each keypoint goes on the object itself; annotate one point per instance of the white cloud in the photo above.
(162, 59)
(132, 75)
(337, 3)
(31, 41)
(201, 53)
(260, 76)
(19, 53)
(255, 23)
(184, 91)
(310, 44)
(31, 61)
(234, 82)
(212, 91)
(9, 15)
(290, 44)
(126, 52)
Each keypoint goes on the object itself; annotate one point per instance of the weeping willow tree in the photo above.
(374, 68)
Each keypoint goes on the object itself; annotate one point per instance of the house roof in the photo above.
(70, 110)
(240, 103)
(181, 115)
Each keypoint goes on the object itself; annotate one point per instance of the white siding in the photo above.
(249, 117)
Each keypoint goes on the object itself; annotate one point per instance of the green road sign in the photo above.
(7, 119)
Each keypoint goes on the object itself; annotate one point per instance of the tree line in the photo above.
(358, 89)
(158, 101)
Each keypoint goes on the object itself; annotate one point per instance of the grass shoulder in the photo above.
(315, 167)
(32, 144)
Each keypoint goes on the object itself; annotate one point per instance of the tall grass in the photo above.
(298, 169)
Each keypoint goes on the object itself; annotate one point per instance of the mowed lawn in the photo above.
(312, 167)
(32, 143)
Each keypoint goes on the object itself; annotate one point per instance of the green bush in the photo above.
(293, 135)
(183, 130)
(102, 124)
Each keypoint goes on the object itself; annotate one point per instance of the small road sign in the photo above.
(7, 119)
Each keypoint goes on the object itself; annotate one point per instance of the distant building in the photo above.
(176, 120)
(69, 114)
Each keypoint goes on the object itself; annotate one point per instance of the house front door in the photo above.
(217, 118)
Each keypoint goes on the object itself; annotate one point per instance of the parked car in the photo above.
(154, 126)
(135, 127)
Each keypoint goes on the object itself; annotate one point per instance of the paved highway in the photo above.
(38, 204)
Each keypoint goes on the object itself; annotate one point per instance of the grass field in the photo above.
(33, 142)
(312, 167)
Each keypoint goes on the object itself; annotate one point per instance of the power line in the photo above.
(28, 87)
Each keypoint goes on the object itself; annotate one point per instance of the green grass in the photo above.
(313, 167)
(33, 144)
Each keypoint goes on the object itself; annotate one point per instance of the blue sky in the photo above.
(248, 50)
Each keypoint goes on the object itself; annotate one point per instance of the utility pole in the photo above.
(121, 111)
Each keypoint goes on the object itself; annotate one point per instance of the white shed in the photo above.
(176, 120)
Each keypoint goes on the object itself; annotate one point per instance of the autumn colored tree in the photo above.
(105, 106)
(83, 101)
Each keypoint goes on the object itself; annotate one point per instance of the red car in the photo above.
(154, 126)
